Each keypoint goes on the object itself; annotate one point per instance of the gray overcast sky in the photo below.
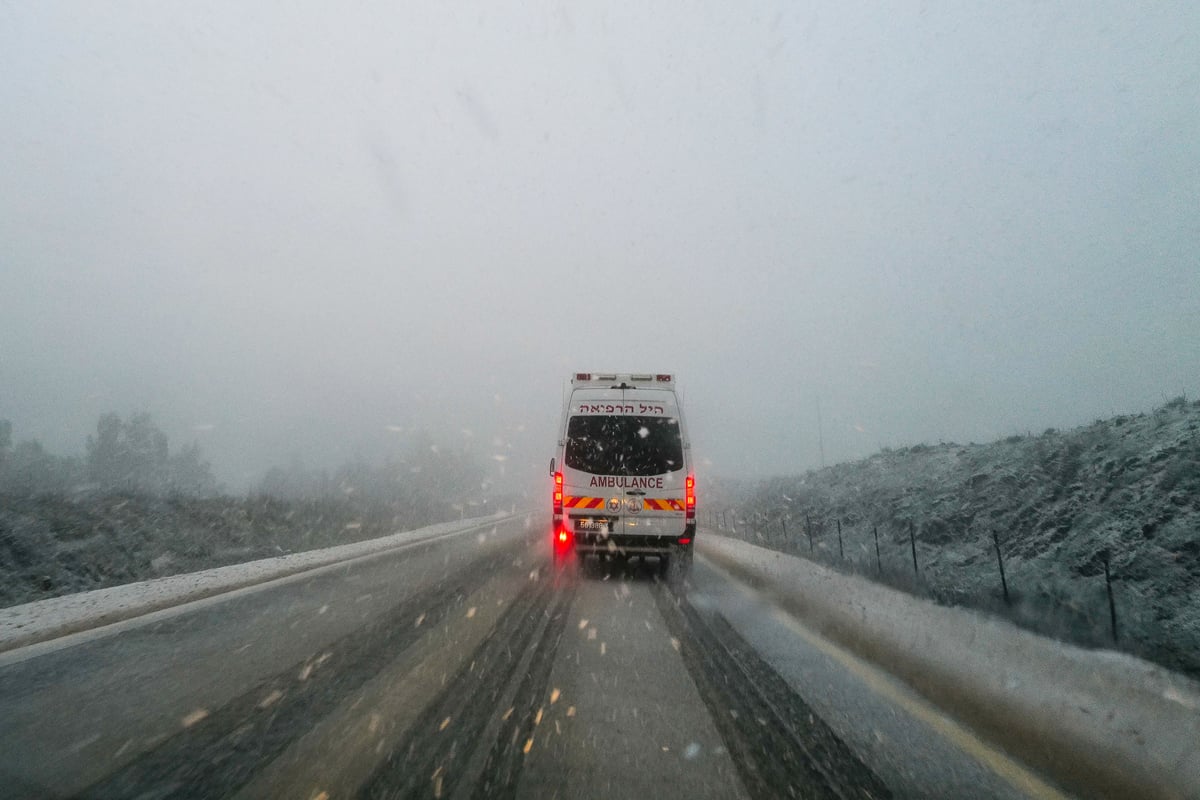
(310, 229)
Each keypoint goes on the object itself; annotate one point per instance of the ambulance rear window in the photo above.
(624, 445)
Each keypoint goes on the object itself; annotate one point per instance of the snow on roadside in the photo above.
(1121, 725)
(55, 616)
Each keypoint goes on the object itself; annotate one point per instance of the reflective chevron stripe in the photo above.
(662, 505)
(648, 503)
(583, 502)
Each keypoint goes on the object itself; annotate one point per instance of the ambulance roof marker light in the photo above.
(662, 379)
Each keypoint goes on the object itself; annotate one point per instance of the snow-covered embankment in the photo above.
(1103, 723)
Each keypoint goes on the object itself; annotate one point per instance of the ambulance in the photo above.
(622, 475)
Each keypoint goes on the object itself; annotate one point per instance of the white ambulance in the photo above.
(623, 480)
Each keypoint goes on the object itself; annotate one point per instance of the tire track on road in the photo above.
(471, 741)
(220, 752)
(780, 746)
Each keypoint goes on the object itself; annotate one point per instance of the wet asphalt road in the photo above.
(471, 668)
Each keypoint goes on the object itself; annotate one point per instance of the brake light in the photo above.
(685, 540)
(558, 493)
(690, 486)
(563, 535)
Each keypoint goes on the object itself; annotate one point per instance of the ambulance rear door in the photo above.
(627, 453)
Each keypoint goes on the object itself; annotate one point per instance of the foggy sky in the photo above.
(300, 229)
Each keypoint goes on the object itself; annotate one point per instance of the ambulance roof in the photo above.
(627, 380)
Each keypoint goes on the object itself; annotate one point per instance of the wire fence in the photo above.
(971, 568)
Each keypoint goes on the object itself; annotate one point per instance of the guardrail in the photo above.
(43, 620)
(1102, 723)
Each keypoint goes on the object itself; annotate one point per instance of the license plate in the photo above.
(591, 524)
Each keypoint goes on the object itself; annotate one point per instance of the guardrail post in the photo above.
(841, 550)
(808, 527)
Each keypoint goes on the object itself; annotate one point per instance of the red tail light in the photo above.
(690, 485)
(563, 536)
(558, 493)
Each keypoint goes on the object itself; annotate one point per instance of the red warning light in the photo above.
(690, 486)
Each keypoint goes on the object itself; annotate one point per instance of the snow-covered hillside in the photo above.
(1126, 487)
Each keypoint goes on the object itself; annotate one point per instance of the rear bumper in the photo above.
(626, 544)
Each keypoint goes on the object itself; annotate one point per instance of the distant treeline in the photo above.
(131, 456)
(135, 457)
(439, 482)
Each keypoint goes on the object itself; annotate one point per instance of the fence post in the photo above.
(841, 550)
(1112, 605)
(912, 540)
(783, 522)
(808, 527)
(1000, 561)
(878, 560)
